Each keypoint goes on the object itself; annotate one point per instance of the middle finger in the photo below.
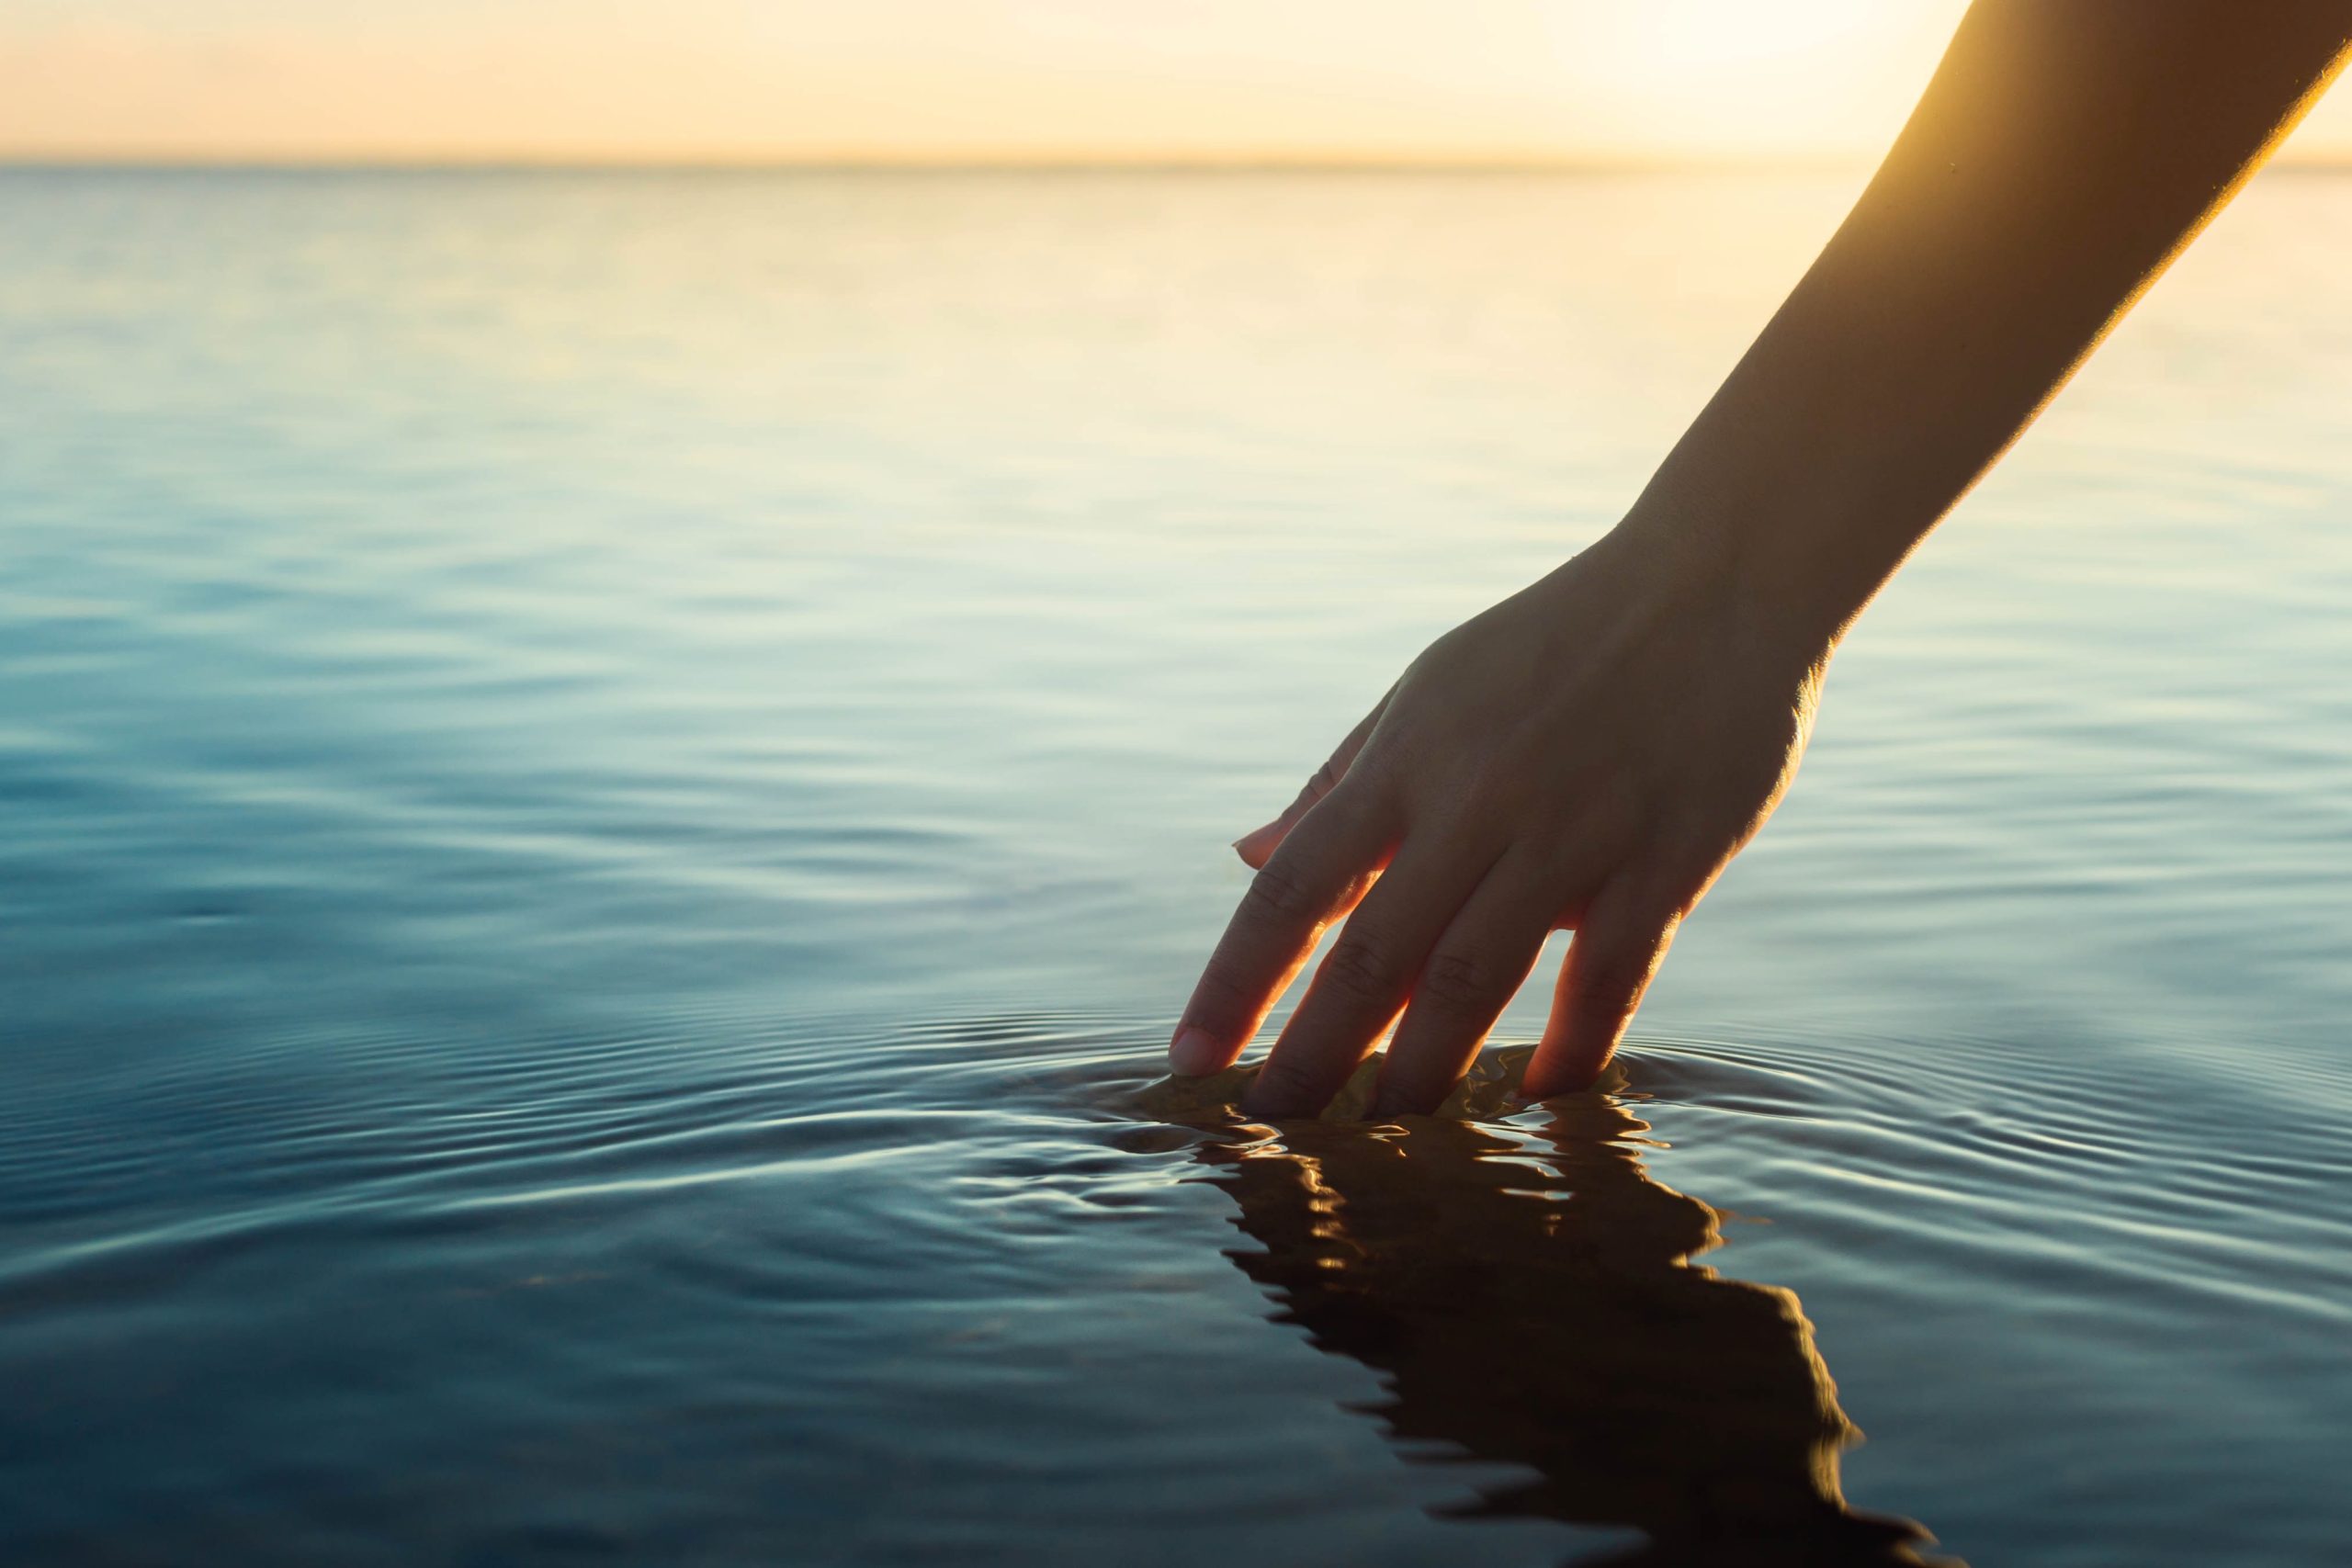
(1362, 983)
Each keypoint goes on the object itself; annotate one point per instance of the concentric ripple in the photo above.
(609, 784)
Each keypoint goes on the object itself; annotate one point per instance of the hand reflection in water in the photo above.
(1528, 1296)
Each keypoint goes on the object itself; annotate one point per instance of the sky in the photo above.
(924, 81)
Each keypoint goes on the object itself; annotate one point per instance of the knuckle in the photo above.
(1222, 991)
(1371, 775)
(1611, 982)
(1279, 892)
(1361, 966)
(1463, 981)
(1285, 1082)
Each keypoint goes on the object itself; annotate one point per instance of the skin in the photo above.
(1592, 753)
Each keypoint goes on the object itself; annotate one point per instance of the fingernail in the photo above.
(1193, 1054)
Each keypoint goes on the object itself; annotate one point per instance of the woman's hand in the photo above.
(1591, 751)
(1586, 755)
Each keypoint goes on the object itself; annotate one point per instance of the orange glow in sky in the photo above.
(973, 80)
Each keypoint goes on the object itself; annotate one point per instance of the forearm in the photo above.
(2062, 156)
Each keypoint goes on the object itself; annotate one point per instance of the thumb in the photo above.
(1259, 844)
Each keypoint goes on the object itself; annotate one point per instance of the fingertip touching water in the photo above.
(559, 726)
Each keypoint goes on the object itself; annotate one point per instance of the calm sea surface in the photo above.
(611, 783)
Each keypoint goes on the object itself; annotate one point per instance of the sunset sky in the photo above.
(972, 80)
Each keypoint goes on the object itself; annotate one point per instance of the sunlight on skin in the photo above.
(1590, 753)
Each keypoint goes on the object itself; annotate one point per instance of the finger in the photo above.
(1258, 843)
(1478, 966)
(1618, 944)
(1317, 876)
(1362, 981)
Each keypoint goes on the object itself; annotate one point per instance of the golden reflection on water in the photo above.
(1527, 1293)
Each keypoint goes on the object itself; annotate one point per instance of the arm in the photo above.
(1592, 753)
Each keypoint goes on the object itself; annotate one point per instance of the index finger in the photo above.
(1317, 876)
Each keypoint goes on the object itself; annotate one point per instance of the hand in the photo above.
(1587, 755)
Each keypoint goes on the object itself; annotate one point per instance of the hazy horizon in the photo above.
(994, 83)
(2312, 162)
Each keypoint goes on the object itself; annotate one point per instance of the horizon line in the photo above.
(1277, 159)
(1272, 162)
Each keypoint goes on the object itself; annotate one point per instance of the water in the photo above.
(612, 783)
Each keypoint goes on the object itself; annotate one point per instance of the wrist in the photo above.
(1732, 569)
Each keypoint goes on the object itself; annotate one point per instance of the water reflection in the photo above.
(1527, 1292)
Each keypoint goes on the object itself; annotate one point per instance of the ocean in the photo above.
(612, 782)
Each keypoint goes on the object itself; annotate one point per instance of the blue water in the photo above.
(611, 783)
